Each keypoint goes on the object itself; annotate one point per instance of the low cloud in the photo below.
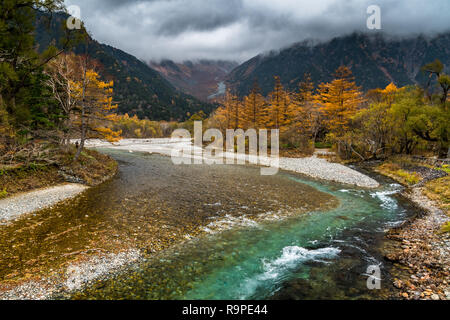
(240, 29)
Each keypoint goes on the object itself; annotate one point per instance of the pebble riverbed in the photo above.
(12, 208)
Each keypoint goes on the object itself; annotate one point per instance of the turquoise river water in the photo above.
(320, 254)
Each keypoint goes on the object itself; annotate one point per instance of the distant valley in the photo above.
(202, 79)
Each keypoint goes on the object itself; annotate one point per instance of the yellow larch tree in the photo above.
(339, 100)
(231, 111)
(254, 109)
(307, 112)
(101, 107)
(96, 108)
(280, 109)
(220, 119)
(388, 93)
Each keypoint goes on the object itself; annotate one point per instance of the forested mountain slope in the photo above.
(138, 89)
(375, 61)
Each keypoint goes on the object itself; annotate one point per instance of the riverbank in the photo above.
(320, 168)
(31, 201)
(313, 167)
(92, 168)
(36, 186)
(419, 249)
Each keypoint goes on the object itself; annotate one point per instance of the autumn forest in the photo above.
(375, 124)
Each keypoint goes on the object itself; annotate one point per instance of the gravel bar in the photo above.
(322, 169)
(312, 166)
(15, 206)
(76, 277)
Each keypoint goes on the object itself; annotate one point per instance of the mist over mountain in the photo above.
(169, 90)
(238, 30)
(375, 60)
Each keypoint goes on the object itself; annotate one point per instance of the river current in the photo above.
(211, 232)
(281, 237)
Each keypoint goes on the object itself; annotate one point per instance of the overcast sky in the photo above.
(240, 29)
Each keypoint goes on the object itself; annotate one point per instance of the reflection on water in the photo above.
(150, 205)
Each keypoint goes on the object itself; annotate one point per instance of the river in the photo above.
(214, 232)
(221, 89)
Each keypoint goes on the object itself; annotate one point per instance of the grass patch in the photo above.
(410, 178)
(446, 228)
(439, 191)
(86, 155)
(323, 145)
(3, 193)
(445, 168)
(26, 178)
(395, 171)
(93, 166)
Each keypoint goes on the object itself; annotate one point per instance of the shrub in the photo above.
(292, 139)
(410, 178)
(323, 145)
(3, 193)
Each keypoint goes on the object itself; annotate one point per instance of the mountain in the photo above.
(374, 59)
(197, 78)
(138, 89)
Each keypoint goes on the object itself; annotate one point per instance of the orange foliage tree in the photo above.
(388, 93)
(280, 109)
(95, 108)
(230, 113)
(254, 109)
(308, 115)
(340, 100)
